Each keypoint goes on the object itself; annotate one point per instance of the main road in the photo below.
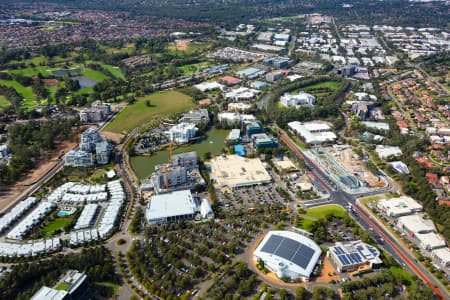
(346, 200)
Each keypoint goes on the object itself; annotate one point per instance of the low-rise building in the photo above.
(313, 132)
(209, 86)
(4, 151)
(384, 152)
(263, 141)
(400, 206)
(238, 106)
(275, 75)
(277, 61)
(250, 73)
(350, 257)
(177, 206)
(199, 116)
(441, 256)
(399, 167)
(301, 99)
(233, 118)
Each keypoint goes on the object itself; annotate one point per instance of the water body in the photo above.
(144, 166)
(66, 72)
(84, 81)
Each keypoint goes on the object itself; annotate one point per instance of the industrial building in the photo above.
(301, 99)
(282, 37)
(350, 257)
(384, 152)
(313, 132)
(177, 206)
(97, 113)
(181, 133)
(250, 73)
(288, 254)
(400, 206)
(235, 171)
(199, 116)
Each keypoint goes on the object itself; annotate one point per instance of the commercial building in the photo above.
(301, 99)
(384, 152)
(235, 171)
(181, 133)
(441, 256)
(250, 73)
(400, 206)
(229, 80)
(259, 85)
(350, 257)
(275, 75)
(251, 128)
(277, 61)
(422, 231)
(376, 125)
(263, 141)
(242, 94)
(284, 164)
(313, 132)
(233, 118)
(288, 254)
(97, 113)
(209, 86)
(282, 37)
(199, 116)
(177, 206)
(78, 288)
(78, 159)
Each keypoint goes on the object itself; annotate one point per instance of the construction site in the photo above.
(346, 158)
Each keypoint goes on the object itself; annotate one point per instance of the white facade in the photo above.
(233, 118)
(313, 132)
(283, 267)
(181, 133)
(301, 99)
(442, 256)
(385, 151)
(400, 206)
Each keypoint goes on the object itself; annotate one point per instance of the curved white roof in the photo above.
(293, 251)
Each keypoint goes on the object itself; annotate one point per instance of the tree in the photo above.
(147, 103)
(301, 293)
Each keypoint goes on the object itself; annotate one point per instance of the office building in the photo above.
(384, 152)
(301, 99)
(350, 257)
(199, 116)
(277, 62)
(263, 141)
(400, 206)
(313, 132)
(181, 133)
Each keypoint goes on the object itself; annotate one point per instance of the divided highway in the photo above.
(363, 217)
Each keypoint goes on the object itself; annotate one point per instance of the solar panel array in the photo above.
(289, 249)
(348, 258)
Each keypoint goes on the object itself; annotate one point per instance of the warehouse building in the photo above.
(313, 132)
(177, 206)
(235, 171)
(350, 257)
(441, 256)
(288, 254)
(422, 231)
(400, 206)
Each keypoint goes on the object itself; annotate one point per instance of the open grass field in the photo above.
(327, 84)
(3, 101)
(25, 92)
(190, 69)
(138, 113)
(58, 223)
(320, 213)
(94, 75)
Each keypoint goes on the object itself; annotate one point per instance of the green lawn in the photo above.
(403, 272)
(58, 223)
(199, 66)
(25, 92)
(62, 287)
(326, 84)
(322, 211)
(114, 70)
(3, 101)
(113, 289)
(138, 113)
(94, 75)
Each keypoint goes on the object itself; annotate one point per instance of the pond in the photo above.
(84, 81)
(144, 166)
(66, 72)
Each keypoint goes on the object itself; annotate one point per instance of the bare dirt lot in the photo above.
(115, 137)
(182, 45)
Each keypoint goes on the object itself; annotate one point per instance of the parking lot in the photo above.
(249, 196)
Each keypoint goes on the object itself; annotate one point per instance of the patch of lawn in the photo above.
(3, 101)
(370, 199)
(25, 92)
(190, 69)
(62, 287)
(138, 113)
(94, 75)
(327, 84)
(58, 223)
(322, 211)
(403, 272)
(108, 289)
(115, 71)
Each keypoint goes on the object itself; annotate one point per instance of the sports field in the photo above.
(138, 113)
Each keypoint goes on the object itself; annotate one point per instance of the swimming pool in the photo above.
(63, 213)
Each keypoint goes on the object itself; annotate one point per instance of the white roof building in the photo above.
(376, 125)
(442, 256)
(231, 117)
(401, 206)
(301, 99)
(288, 254)
(416, 224)
(399, 167)
(181, 133)
(238, 106)
(385, 151)
(313, 132)
(242, 93)
(46, 293)
(209, 86)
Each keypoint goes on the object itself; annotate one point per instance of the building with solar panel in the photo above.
(351, 256)
(288, 254)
